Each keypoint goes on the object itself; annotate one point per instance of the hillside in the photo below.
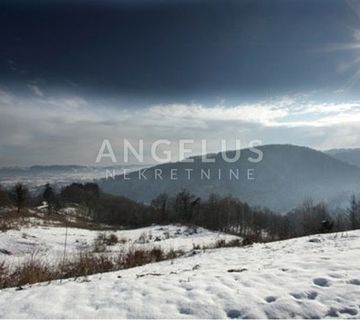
(351, 156)
(46, 243)
(284, 178)
(310, 277)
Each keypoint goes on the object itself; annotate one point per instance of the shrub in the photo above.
(144, 238)
(123, 240)
(135, 258)
(32, 271)
(99, 243)
(172, 254)
(3, 275)
(84, 264)
(10, 220)
(222, 243)
(112, 239)
(103, 240)
(235, 243)
(250, 239)
(156, 254)
(138, 257)
(5, 225)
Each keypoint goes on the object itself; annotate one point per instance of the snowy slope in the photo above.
(47, 243)
(310, 277)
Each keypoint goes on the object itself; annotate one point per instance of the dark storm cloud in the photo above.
(73, 73)
(174, 50)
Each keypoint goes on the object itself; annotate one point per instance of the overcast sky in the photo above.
(73, 73)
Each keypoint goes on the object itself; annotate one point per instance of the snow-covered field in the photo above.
(310, 277)
(47, 243)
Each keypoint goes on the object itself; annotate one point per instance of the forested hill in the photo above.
(286, 176)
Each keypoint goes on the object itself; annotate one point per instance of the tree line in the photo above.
(220, 213)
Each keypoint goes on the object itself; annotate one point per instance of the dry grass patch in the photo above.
(84, 264)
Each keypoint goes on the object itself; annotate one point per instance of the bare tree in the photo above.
(159, 204)
(49, 197)
(185, 202)
(20, 194)
(354, 212)
(4, 198)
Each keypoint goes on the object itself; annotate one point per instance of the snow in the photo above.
(43, 206)
(303, 278)
(47, 243)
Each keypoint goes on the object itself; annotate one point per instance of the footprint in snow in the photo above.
(316, 240)
(4, 251)
(297, 295)
(312, 295)
(322, 282)
(234, 314)
(183, 310)
(270, 299)
(355, 282)
(333, 313)
(350, 311)
(336, 275)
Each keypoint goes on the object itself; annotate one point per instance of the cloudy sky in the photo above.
(73, 73)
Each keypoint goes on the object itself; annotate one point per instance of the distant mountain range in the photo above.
(285, 177)
(351, 156)
(38, 169)
(58, 175)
